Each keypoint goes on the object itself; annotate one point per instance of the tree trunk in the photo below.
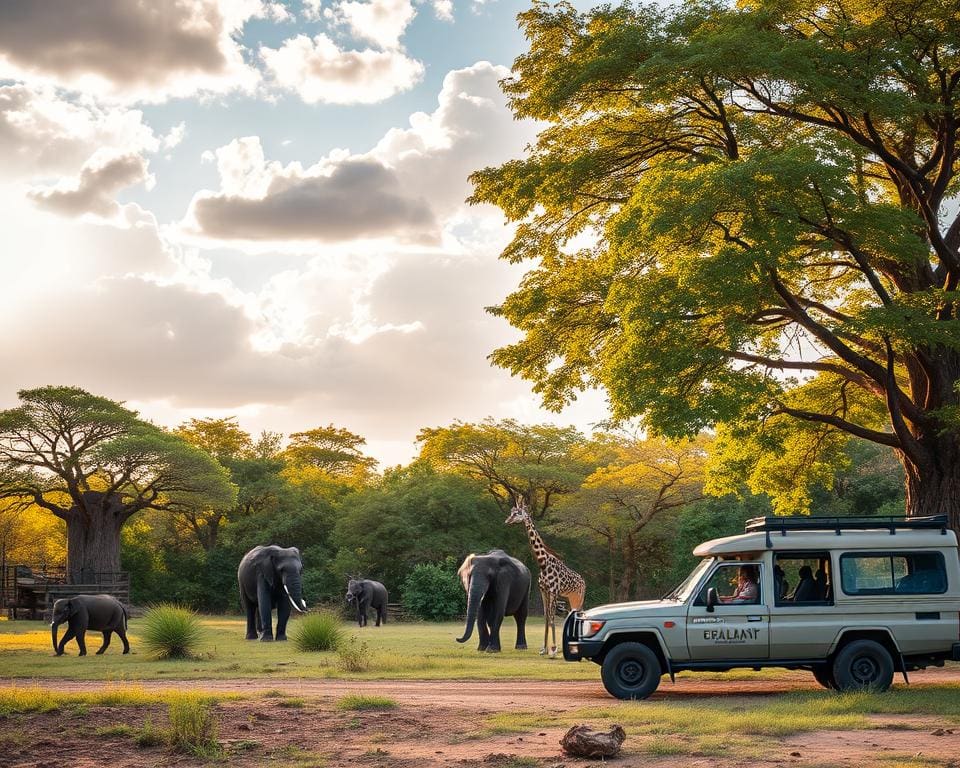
(933, 487)
(93, 537)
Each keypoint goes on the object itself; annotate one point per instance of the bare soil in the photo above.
(441, 723)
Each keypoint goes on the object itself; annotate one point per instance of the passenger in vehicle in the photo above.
(747, 590)
(780, 582)
(807, 590)
(823, 589)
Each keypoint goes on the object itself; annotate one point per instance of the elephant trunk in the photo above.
(291, 585)
(53, 633)
(477, 588)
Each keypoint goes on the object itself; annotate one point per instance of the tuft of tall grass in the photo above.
(362, 702)
(354, 656)
(321, 631)
(171, 632)
(193, 727)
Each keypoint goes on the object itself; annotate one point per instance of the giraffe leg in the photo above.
(547, 608)
(553, 628)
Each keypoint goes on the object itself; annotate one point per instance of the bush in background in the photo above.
(171, 632)
(433, 592)
(320, 631)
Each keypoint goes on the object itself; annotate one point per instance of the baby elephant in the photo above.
(366, 593)
(102, 613)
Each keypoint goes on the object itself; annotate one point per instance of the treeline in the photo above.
(623, 510)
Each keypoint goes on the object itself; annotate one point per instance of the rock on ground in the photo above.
(583, 741)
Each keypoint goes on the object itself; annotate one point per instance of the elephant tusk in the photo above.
(293, 602)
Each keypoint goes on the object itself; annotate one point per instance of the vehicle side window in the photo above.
(893, 573)
(802, 578)
(736, 584)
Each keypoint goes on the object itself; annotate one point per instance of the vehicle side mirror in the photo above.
(713, 600)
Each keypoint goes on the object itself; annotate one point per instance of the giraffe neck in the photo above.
(536, 543)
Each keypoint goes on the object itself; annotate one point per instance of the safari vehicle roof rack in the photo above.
(893, 523)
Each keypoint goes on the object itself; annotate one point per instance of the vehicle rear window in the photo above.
(893, 573)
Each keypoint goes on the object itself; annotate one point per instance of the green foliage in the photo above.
(771, 246)
(171, 632)
(433, 592)
(99, 457)
(150, 735)
(354, 656)
(535, 462)
(318, 632)
(417, 514)
(193, 726)
(360, 702)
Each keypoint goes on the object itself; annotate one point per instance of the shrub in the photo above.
(193, 728)
(149, 735)
(318, 632)
(433, 592)
(360, 702)
(354, 656)
(171, 632)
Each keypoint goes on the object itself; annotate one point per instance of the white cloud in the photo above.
(407, 187)
(43, 134)
(443, 9)
(338, 199)
(94, 190)
(319, 71)
(381, 22)
(126, 50)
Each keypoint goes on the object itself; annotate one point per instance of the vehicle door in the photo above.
(738, 626)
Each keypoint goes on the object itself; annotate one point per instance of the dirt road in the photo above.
(512, 694)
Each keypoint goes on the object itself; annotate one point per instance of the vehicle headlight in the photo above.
(590, 627)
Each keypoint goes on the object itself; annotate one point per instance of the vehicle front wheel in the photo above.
(863, 665)
(630, 671)
(824, 676)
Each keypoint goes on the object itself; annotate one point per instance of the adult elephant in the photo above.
(270, 577)
(497, 585)
(102, 613)
(367, 593)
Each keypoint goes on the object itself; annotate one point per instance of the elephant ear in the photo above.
(266, 566)
(73, 607)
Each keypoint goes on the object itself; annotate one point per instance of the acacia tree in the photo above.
(94, 464)
(646, 479)
(535, 463)
(767, 186)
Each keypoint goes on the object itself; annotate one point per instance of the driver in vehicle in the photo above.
(747, 590)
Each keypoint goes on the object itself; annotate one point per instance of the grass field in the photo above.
(396, 651)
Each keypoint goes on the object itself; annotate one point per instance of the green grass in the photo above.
(771, 717)
(361, 702)
(193, 726)
(25, 699)
(396, 651)
(321, 631)
(171, 632)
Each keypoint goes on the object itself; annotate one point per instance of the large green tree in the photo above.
(95, 464)
(536, 463)
(766, 187)
(646, 480)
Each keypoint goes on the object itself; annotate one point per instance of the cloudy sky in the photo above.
(252, 208)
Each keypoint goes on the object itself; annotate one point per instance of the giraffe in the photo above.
(556, 580)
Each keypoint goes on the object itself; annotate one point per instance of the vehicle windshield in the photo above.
(681, 593)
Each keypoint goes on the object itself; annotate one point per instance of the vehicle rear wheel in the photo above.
(824, 676)
(863, 665)
(630, 671)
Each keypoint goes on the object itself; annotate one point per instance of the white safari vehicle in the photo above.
(852, 600)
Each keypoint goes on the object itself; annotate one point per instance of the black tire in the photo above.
(863, 665)
(630, 671)
(824, 676)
